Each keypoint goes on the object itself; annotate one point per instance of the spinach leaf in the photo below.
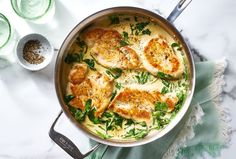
(107, 114)
(114, 72)
(92, 117)
(136, 133)
(118, 85)
(110, 125)
(114, 19)
(80, 115)
(143, 124)
(140, 26)
(88, 105)
(159, 106)
(113, 121)
(90, 63)
(72, 110)
(181, 96)
(164, 90)
(158, 116)
(164, 76)
(68, 98)
(176, 45)
(123, 43)
(118, 120)
(74, 57)
(102, 135)
(146, 31)
(81, 43)
(141, 134)
(83, 46)
(185, 75)
(143, 77)
(130, 133)
(166, 83)
(125, 35)
(161, 122)
(113, 95)
(129, 122)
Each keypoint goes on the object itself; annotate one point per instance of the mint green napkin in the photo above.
(203, 129)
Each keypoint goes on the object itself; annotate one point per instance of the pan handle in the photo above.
(66, 144)
(178, 10)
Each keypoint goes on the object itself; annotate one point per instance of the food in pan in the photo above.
(128, 77)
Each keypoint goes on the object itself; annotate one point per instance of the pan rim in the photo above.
(57, 73)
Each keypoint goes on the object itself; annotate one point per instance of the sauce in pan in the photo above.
(128, 77)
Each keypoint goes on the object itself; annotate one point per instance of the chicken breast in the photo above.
(107, 50)
(102, 88)
(135, 104)
(159, 57)
(138, 104)
(86, 84)
(78, 73)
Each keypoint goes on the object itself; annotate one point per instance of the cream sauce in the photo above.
(128, 78)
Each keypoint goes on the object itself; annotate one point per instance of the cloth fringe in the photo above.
(187, 132)
(196, 114)
(224, 113)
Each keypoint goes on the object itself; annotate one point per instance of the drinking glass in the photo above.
(5, 30)
(7, 42)
(36, 11)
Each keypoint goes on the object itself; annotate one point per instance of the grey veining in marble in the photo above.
(29, 103)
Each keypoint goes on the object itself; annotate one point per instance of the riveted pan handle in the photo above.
(66, 144)
(178, 10)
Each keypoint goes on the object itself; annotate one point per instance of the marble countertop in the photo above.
(28, 99)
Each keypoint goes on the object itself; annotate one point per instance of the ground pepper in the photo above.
(32, 51)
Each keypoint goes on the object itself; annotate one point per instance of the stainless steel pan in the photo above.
(61, 72)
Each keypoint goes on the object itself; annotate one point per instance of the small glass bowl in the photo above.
(36, 11)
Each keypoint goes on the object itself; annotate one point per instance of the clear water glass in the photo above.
(5, 30)
(37, 11)
(7, 42)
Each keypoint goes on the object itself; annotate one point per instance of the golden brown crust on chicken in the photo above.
(78, 73)
(171, 102)
(161, 58)
(94, 85)
(92, 36)
(102, 87)
(135, 104)
(106, 49)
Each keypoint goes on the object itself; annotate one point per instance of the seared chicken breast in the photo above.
(95, 86)
(138, 104)
(159, 57)
(135, 104)
(107, 50)
(78, 73)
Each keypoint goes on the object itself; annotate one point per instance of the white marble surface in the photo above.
(28, 99)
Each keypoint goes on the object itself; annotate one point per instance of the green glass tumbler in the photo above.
(36, 11)
(5, 30)
(7, 42)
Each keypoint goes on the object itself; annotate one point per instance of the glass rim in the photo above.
(9, 26)
(31, 18)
